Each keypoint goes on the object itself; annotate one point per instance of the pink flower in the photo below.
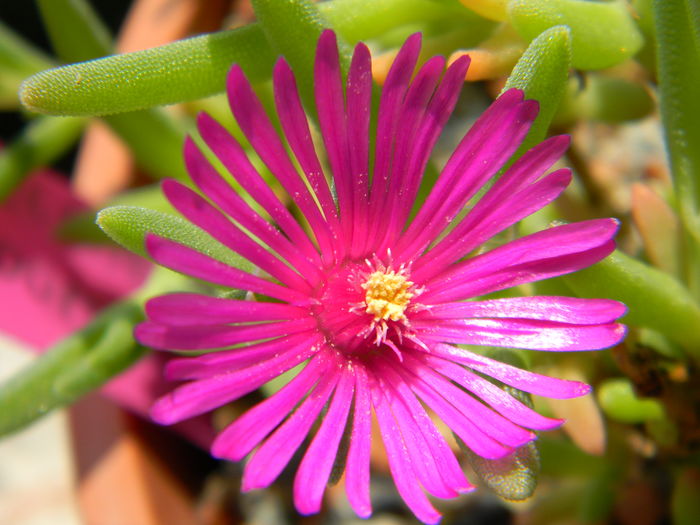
(372, 303)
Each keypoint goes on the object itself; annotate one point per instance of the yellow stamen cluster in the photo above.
(387, 295)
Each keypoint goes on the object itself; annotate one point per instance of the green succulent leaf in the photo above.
(41, 142)
(154, 137)
(655, 299)
(196, 67)
(183, 70)
(128, 226)
(602, 33)
(18, 60)
(542, 73)
(292, 28)
(604, 99)
(75, 30)
(513, 477)
(78, 364)
(619, 402)
(677, 25)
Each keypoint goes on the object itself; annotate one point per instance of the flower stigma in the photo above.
(387, 294)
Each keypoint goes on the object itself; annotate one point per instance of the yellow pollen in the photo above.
(387, 295)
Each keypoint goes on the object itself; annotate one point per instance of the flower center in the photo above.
(387, 294)
(364, 306)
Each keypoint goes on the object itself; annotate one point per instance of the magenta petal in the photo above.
(211, 220)
(298, 134)
(418, 150)
(420, 452)
(358, 96)
(241, 436)
(191, 309)
(523, 333)
(488, 433)
(224, 361)
(387, 122)
(234, 158)
(218, 336)
(274, 454)
(521, 379)
(484, 222)
(435, 452)
(258, 129)
(195, 264)
(485, 148)
(357, 467)
(331, 118)
(570, 310)
(541, 255)
(497, 398)
(201, 396)
(315, 468)
(413, 111)
(219, 191)
(400, 464)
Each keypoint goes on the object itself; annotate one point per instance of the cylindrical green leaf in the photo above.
(69, 370)
(153, 136)
(196, 67)
(619, 402)
(40, 143)
(678, 59)
(155, 139)
(542, 74)
(18, 60)
(603, 33)
(655, 299)
(75, 30)
(357, 20)
(604, 99)
(128, 226)
(292, 28)
(183, 70)
(18, 55)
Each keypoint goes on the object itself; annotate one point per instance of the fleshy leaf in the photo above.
(40, 143)
(196, 67)
(655, 299)
(80, 363)
(542, 73)
(513, 477)
(605, 99)
(619, 402)
(155, 139)
(678, 57)
(75, 30)
(602, 33)
(18, 60)
(356, 20)
(292, 29)
(153, 136)
(183, 70)
(128, 226)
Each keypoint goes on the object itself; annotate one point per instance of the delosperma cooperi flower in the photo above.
(373, 303)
